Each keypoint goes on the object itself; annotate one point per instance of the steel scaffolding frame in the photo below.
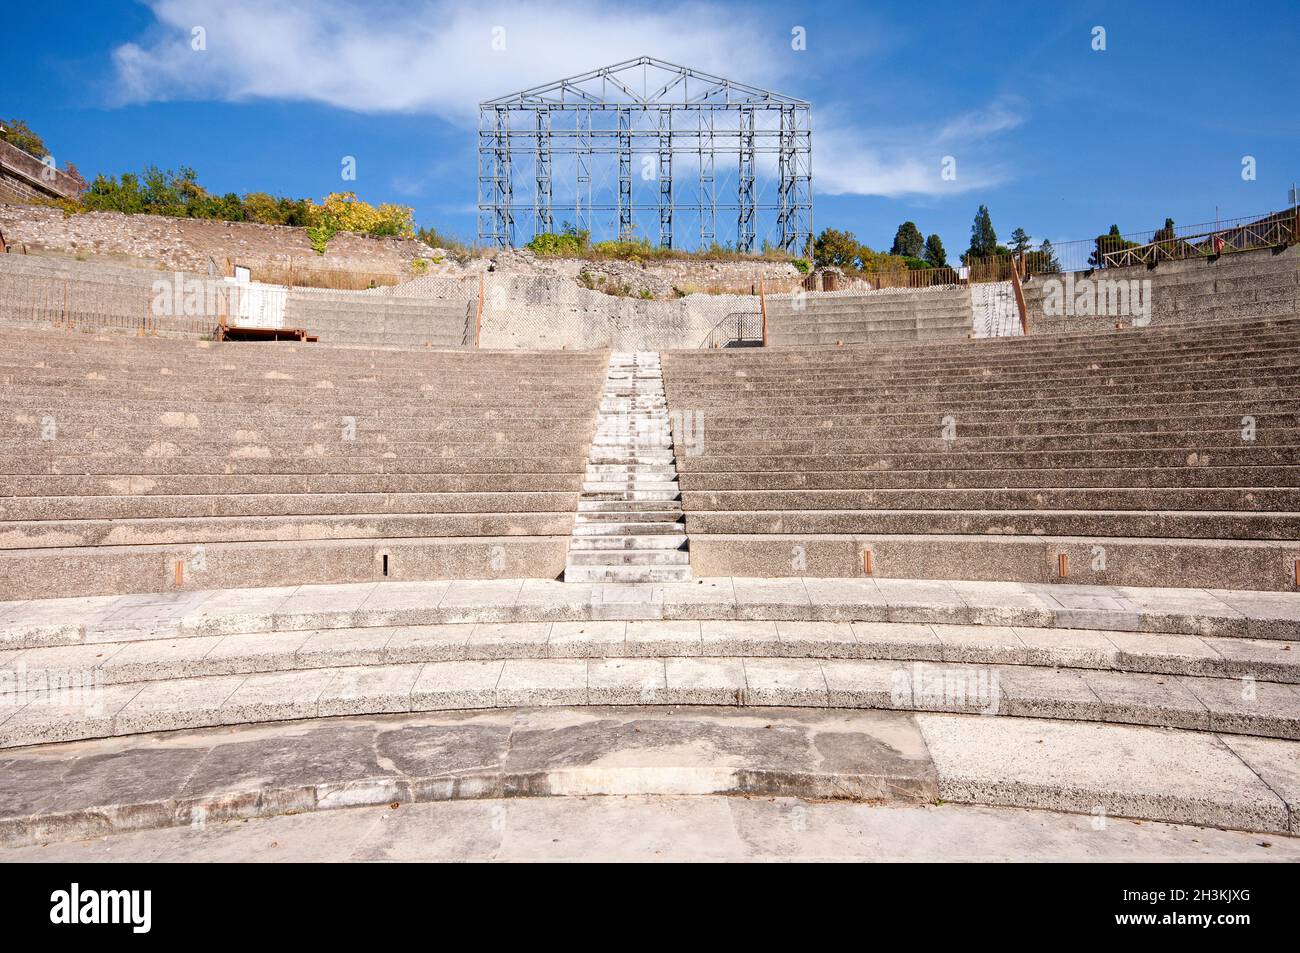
(665, 118)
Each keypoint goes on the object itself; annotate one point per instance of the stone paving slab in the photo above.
(93, 788)
(199, 779)
(680, 829)
(1258, 615)
(1103, 770)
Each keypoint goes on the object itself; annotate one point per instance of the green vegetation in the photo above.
(935, 253)
(18, 134)
(572, 242)
(1043, 261)
(569, 242)
(436, 239)
(179, 194)
(833, 248)
(907, 241)
(1112, 241)
(983, 240)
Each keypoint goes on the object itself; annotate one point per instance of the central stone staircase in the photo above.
(630, 526)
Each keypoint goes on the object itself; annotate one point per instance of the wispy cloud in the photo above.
(903, 161)
(437, 57)
(421, 56)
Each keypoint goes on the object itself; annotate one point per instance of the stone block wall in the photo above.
(187, 244)
(1250, 284)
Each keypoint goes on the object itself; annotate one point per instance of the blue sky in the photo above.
(1053, 136)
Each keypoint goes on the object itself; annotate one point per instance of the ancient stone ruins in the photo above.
(490, 530)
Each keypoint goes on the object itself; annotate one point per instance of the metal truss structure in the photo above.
(647, 149)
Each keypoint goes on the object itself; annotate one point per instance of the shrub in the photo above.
(569, 242)
(18, 134)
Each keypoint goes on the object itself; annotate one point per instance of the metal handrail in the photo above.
(737, 329)
(1270, 233)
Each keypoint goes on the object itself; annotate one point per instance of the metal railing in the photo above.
(738, 329)
(1273, 232)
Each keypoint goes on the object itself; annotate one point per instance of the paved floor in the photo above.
(82, 790)
(671, 828)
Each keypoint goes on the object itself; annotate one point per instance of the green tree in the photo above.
(1019, 241)
(1043, 261)
(1165, 234)
(983, 240)
(18, 134)
(834, 248)
(908, 241)
(934, 252)
(1112, 241)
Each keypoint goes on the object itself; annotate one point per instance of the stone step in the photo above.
(157, 506)
(1262, 498)
(1095, 559)
(1189, 703)
(627, 574)
(615, 473)
(664, 512)
(71, 571)
(900, 764)
(1125, 479)
(627, 501)
(1016, 652)
(628, 557)
(183, 531)
(633, 417)
(1232, 614)
(644, 541)
(628, 527)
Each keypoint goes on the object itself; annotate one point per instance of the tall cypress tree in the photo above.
(983, 240)
(935, 253)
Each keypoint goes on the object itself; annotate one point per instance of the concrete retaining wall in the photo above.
(1252, 284)
(552, 312)
(37, 291)
(857, 317)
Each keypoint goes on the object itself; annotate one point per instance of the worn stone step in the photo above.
(629, 557)
(645, 541)
(627, 574)
(1188, 703)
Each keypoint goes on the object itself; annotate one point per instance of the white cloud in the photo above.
(435, 57)
(421, 56)
(850, 160)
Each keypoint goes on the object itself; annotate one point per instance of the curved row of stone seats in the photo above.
(352, 317)
(1166, 456)
(1006, 656)
(44, 292)
(133, 465)
(1235, 286)
(878, 317)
